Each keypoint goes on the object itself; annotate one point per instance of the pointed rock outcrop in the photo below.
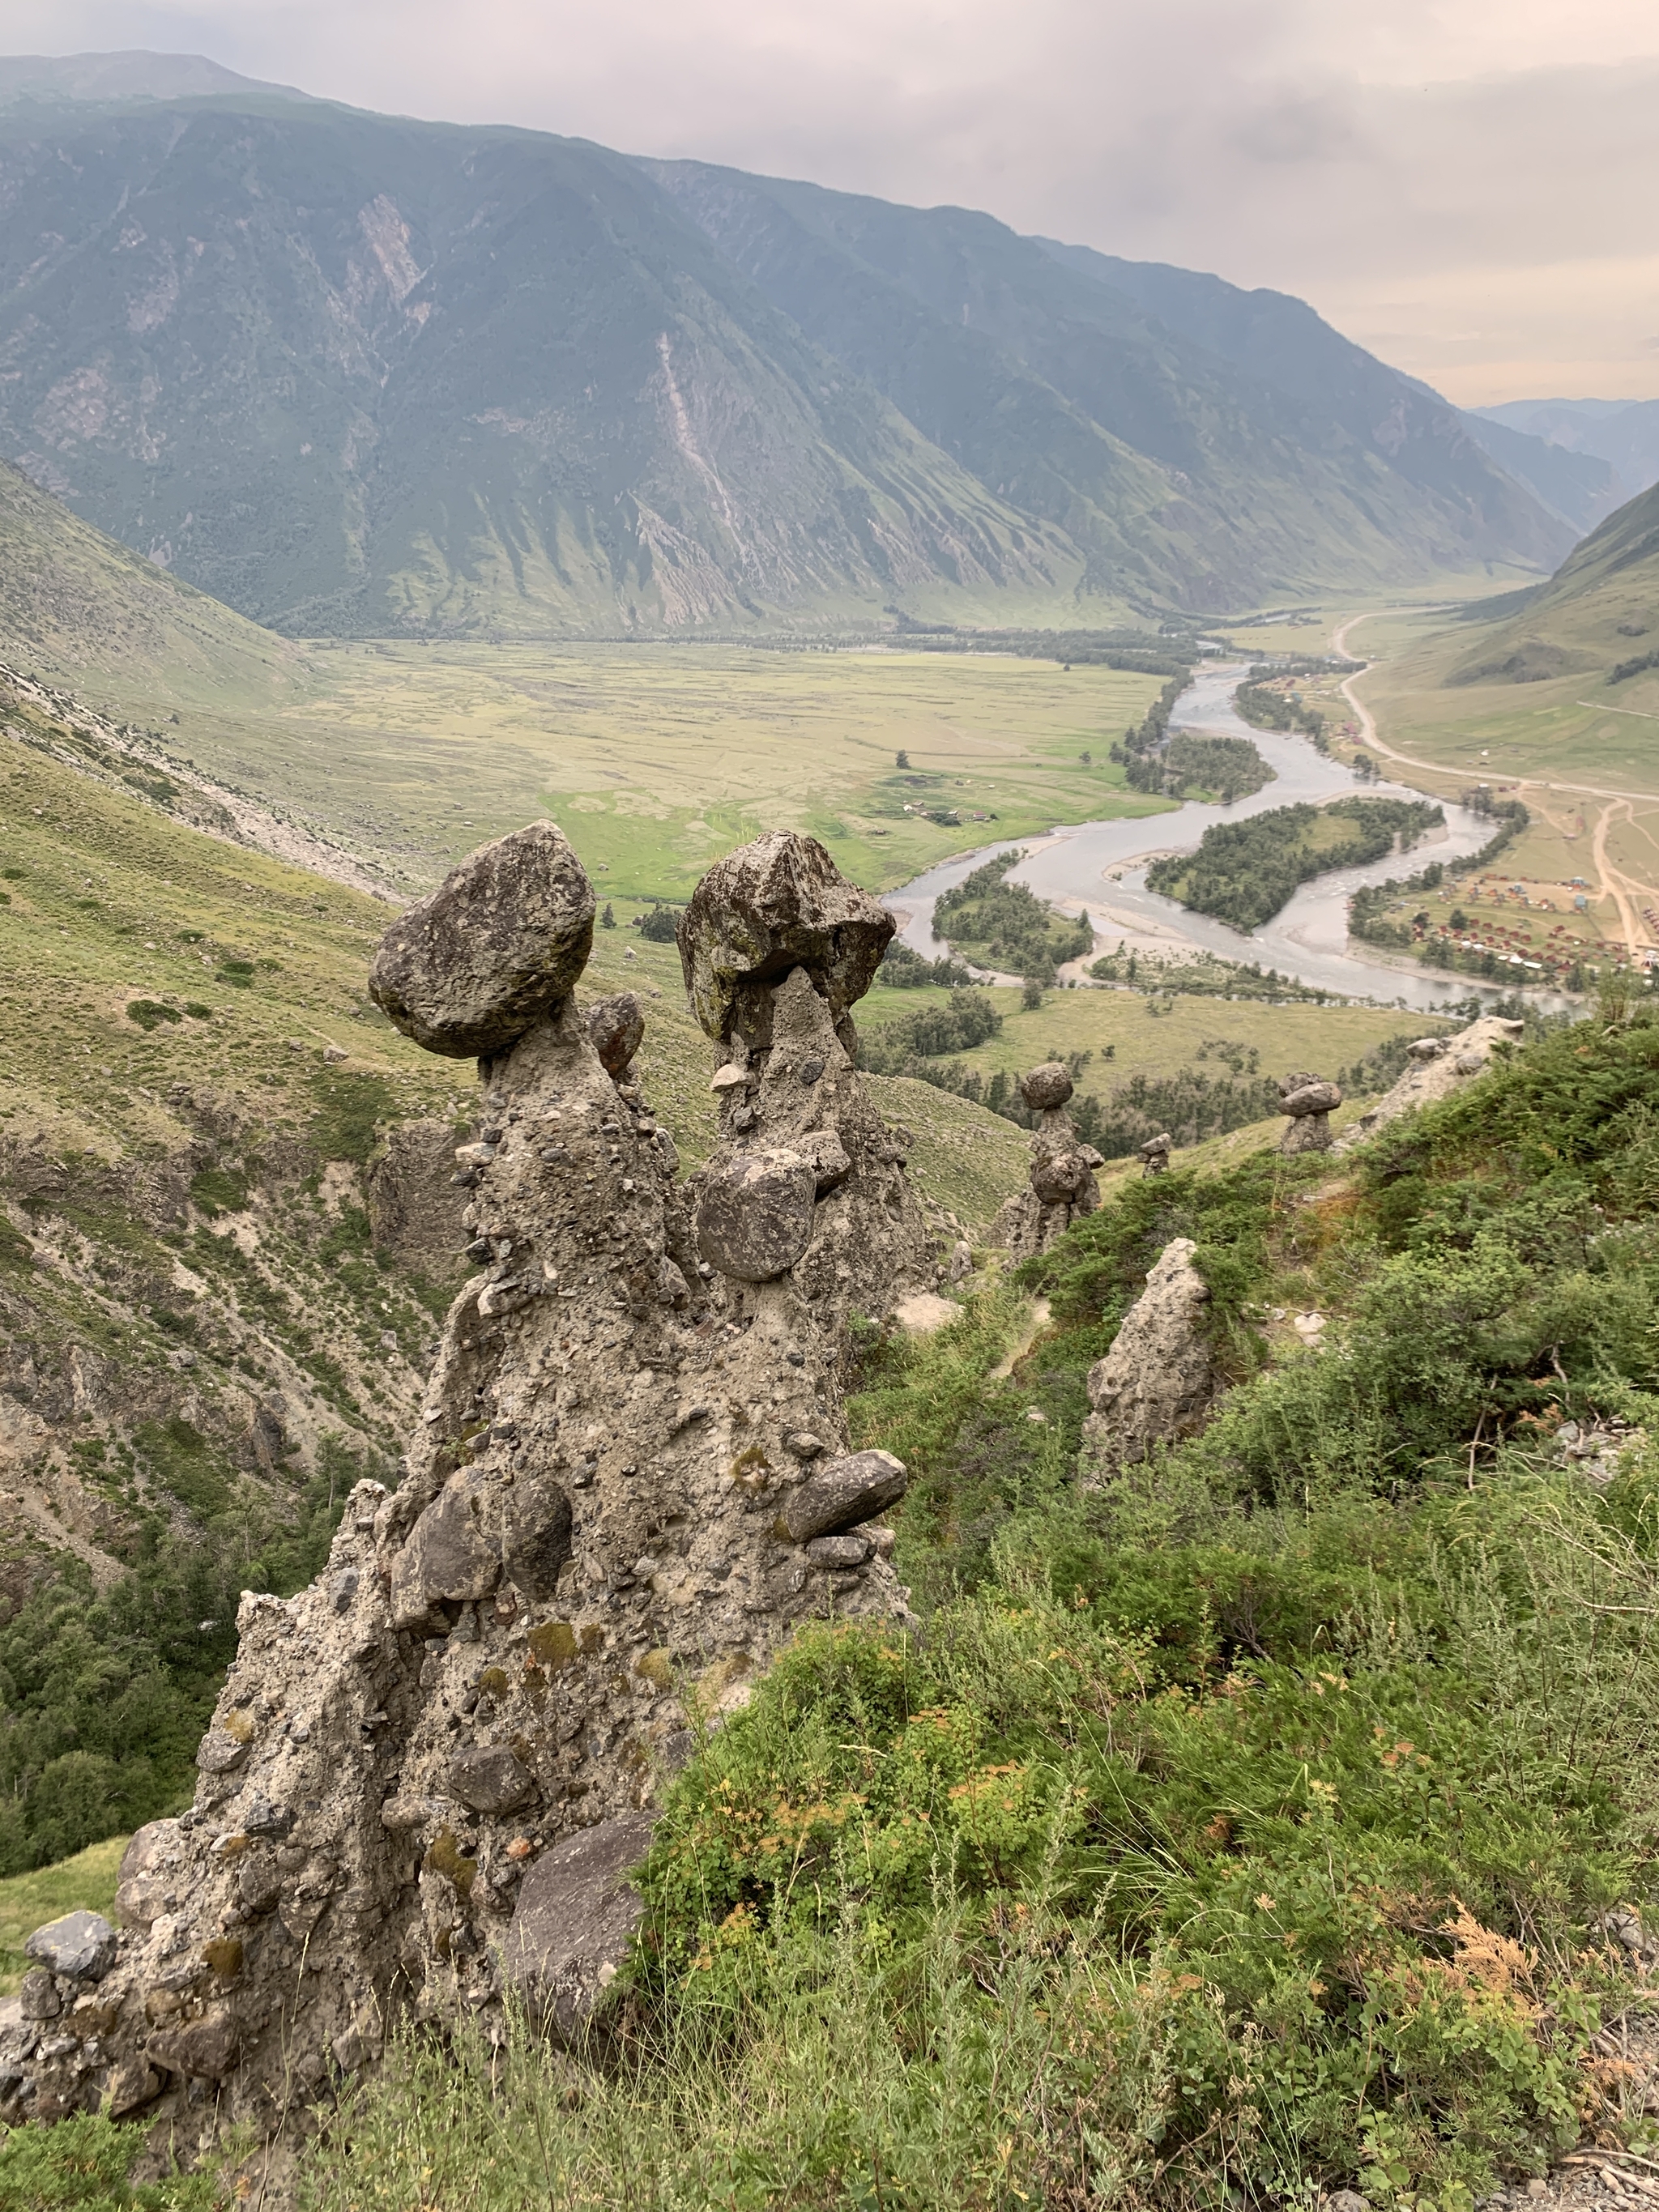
(1439, 1065)
(1157, 1383)
(429, 1773)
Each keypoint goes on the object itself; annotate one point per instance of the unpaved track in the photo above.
(1628, 893)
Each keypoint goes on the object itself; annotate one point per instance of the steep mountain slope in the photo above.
(1596, 620)
(351, 373)
(1010, 357)
(131, 76)
(1283, 344)
(73, 599)
(1623, 433)
(355, 373)
(1580, 487)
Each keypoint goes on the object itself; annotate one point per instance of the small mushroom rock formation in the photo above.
(1062, 1177)
(429, 1773)
(1154, 1154)
(805, 1198)
(1157, 1383)
(1309, 1101)
(497, 946)
(1439, 1066)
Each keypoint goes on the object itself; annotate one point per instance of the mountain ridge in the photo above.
(360, 374)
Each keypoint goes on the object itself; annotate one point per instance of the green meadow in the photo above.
(657, 759)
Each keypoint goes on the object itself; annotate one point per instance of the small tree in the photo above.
(901, 759)
(607, 919)
(1031, 996)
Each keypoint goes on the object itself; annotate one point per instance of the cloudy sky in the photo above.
(1468, 186)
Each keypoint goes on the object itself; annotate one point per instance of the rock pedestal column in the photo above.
(1154, 1155)
(1062, 1182)
(428, 1773)
(806, 1201)
(1309, 1101)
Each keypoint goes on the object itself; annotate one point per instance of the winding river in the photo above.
(1102, 867)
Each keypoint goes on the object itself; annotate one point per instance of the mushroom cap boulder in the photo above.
(1309, 1094)
(772, 906)
(1045, 1087)
(466, 971)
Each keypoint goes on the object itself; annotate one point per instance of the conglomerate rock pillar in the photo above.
(805, 1202)
(1061, 1187)
(1309, 1101)
(428, 1773)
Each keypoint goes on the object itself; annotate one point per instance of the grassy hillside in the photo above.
(1261, 1821)
(1551, 698)
(75, 603)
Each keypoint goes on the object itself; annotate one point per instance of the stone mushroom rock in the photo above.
(496, 1662)
(769, 907)
(842, 1493)
(1061, 1185)
(1309, 1101)
(852, 1238)
(499, 944)
(1157, 1383)
(617, 1025)
(1154, 1154)
(1439, 1066)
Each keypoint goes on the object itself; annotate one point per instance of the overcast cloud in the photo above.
(1468, 186)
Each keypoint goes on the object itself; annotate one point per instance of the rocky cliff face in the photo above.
(428, 1772)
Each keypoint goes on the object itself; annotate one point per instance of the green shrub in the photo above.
(85, 2164)
(150, 1013)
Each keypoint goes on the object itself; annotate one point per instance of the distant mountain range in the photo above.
(1621, 435)
(350, 373)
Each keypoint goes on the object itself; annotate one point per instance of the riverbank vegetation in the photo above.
(1000, 925)
(1205, 975)
(1191, 763)
(1244, 872)
(1252, 1824)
